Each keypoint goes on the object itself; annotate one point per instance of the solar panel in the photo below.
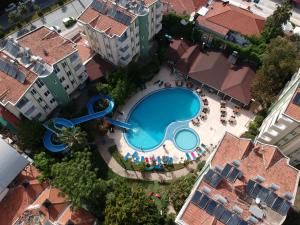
(234, 220)
(21, 77)
(243, 222)
(12, 71)
(211, 207)
(263, 194)
(203, 201)
(256, 190)
(271, 199)
(284, 208)
(215, 179)
(98, 6)
(250, 186)
(219, 211)
(233, 175)
(296, 99)
(196, 197)
(226, 216)
(277, 204)
(226, 170)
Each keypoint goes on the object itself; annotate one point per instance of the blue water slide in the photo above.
(54, 125)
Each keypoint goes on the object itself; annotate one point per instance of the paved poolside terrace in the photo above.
(210, 130)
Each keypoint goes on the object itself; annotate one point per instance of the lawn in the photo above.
(131, 166)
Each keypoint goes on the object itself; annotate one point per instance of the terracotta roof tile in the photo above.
(105, 23)
(98, 68)
(78, 217)
(47, 44)
(212, 68)
(183, 7)
(263, 160)
(11, 90)
(223, 18)
(293, 110)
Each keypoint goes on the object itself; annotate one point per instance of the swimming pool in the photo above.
(157, 111)
(186, 139)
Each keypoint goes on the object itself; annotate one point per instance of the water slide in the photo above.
(54, 125)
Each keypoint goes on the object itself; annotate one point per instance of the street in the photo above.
(74, 9)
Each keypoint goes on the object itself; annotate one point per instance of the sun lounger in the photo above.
(188, 157)
(158, 160)
(134, 155)
(156, 82)
(137, 160)
(170, 161)
(193, 155)
(160, 83)
(196, 154)
(147, 160)
(142, 159)
(126, 156)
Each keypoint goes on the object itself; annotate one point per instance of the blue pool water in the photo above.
(186, 139)
(152, 115)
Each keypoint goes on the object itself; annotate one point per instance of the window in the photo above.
(47, 93)
(38, 116)
(30, 110)
(22, 102)
(56, 69)
(78, 67)
(73, 57)
(72, 82)
(64, 64)
(69, 73)
(67, 87)
(109, 55)
(62, 79)
(39, 83)
(123, 37)
(52, 101)
(33, 91)
(45, 107)
(39, 100)
(124, 49)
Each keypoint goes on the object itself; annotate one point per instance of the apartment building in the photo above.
(282, 125)
(38, 72)
(120, 30)
(243, 183)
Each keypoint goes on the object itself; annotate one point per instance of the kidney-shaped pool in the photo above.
(152, 115)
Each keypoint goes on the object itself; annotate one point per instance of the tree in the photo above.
(14, 17)
(279, 63)
(180, 189)
(73, 137)
(77, 178)
(22, 9)
(30, 134)
(2, 33)
(127, 205)
(44, 163)
(273, 24)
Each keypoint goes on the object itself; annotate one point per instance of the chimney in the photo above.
(47, 203)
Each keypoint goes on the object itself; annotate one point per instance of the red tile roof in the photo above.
(183, 7)
(263, 160)
(47, 44)
(224, 18)
(293, 110)
(103, 22)
(84, 50)
(18, 198)
(213, 69)
(98, 68)
(11, 90)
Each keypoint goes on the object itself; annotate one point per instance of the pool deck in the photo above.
(210, 130)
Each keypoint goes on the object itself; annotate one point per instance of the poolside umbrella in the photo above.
(199, 90)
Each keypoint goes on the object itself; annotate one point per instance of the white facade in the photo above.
(120, 49)
(38, 101)
(281, 129)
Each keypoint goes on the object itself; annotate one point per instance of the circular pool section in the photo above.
(186, 139)
(152, 115)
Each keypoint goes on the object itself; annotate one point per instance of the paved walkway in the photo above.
(118, 169)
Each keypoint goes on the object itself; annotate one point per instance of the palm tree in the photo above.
(73, 137)
(23, 10)
(14, 17)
